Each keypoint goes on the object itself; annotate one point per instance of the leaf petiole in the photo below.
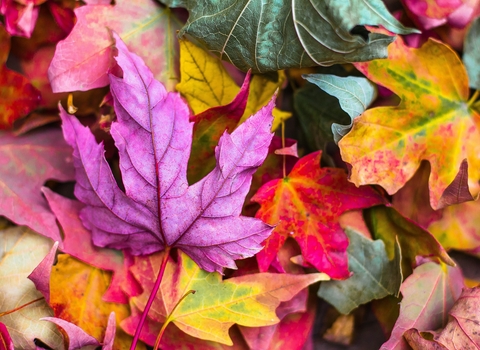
(473, 98)
(151, 298)
(170, 319)
(20, 307)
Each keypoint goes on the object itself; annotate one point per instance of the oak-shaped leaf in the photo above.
(158, 209)
(306, 206)
(434, 121)
(249, 300)
(428, 295)
(274, 35)
(374, 275)
(461, 331)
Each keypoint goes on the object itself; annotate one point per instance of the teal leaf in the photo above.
(272, 35)
(374, 276)
(471, 54)
(354, 94)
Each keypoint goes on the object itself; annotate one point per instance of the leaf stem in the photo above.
(283, 146)
(170, 319)
(20, 307)
(153, 294)
(473, 98)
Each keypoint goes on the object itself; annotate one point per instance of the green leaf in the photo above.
(471, 55)
(374, 275)
(354, 94)
(386, 223)
(272, 35)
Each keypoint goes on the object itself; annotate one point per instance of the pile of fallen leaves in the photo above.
(156, 196)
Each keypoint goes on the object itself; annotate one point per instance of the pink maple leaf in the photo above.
(159, 209)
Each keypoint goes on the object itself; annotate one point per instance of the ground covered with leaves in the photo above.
(238, 174)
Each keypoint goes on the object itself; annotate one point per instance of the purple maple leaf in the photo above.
(158, 208)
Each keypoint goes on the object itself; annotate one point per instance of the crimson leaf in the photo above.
(158, 208)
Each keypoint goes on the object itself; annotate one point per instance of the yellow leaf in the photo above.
(205, 83)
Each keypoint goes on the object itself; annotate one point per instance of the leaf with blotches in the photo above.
(158, 209)
(374, 275)
(26, 162)
(76, 291)
(21, 251)
(387, 224)
(434, 121)
(205, 84)
(270, 36)
(306, 206)
(17, 96)
(77, 242)
(248, 300)
(82, 60)
(461, 331)
(435, 13)
(428, 295)
(354, 94)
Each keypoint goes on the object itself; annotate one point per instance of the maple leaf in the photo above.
(428, 294)
(433, 122)
(248, 300)
(158, 209)
(82, 60)
(460, 331)
(17, 96)
(306, 205)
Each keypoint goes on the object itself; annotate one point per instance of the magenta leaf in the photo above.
(40, 276)
(6, 342)
(78, 338)
(110, 332)
(158, 209)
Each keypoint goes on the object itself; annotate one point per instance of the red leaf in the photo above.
(6, 342)
(306, 205)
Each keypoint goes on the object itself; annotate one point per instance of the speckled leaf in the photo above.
(354, 94)
(248, 300)
(269, 36)
(82, 60)
(374, 275)
(428, 294)
(306, 206)
(22, 250)
(205, 84)
(158, 208)
(387, 224)
(26, 162)
(433, 122)
(471, 54)
(461, 331)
